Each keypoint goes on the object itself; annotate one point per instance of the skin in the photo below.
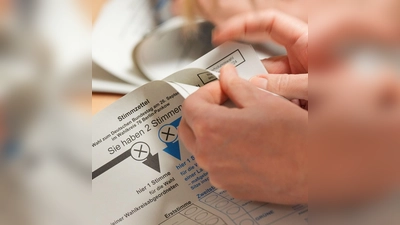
(353, 131)
(5, 6)
(355, 116)
(354, 125)
(274, 163)
(218, 11)
(343, 23)
(287, 74)
(267, 153)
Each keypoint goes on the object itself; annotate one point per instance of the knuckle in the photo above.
(199, 127)
(203, 129)
(203, 156)
(216, 182)
(202, 161)
(235, 84)
(271, 12)
(282, 84)
(214, 166)
(189, 105)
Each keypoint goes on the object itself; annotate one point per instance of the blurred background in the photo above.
(61, 61)
(45, 111)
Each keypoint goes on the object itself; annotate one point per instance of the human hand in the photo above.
(270, 25)
(292, 87)
(287, 31)
(257, 151)
(218, 11)
(342, 27)
(355, 117)
(354, 130)
(339, 20)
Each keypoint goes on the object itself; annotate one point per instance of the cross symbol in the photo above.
(168, 134)
(140, 150)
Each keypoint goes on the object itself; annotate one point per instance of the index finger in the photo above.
(207, 98)
(270, 24)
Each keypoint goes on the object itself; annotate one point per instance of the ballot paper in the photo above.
(143, 175)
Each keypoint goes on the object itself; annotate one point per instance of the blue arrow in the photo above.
(173, 149)
(176, 122)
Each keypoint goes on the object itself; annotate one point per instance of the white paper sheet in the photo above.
(141, 174)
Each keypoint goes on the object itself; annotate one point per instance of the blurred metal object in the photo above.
(168, 48)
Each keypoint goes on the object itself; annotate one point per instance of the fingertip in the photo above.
(216, 36)
(227, 73)
(228, 69)
(239, 90)
(216, 93)
(223, 34)
(216, 41)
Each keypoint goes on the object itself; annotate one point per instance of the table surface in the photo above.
(100, 100)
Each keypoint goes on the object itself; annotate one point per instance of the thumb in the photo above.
(289, 86)
(241, 92)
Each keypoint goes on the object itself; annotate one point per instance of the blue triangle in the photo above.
(173, 149)
(176, 122)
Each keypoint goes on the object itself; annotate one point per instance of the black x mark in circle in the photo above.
(140, 150)
(167, 134)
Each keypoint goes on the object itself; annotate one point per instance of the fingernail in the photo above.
(259, 82)
(229, 68)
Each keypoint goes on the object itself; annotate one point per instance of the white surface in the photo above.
(103, 81)
(243, 56)
(120, 26)
(66, 32)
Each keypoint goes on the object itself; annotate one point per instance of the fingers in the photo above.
(387, 93)
(348, 25)
(281, 28)
(277, 64)
(241, 92)
(206, 98)
(288, 86)
(285, 30)
(346, 28)
(203, 102)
